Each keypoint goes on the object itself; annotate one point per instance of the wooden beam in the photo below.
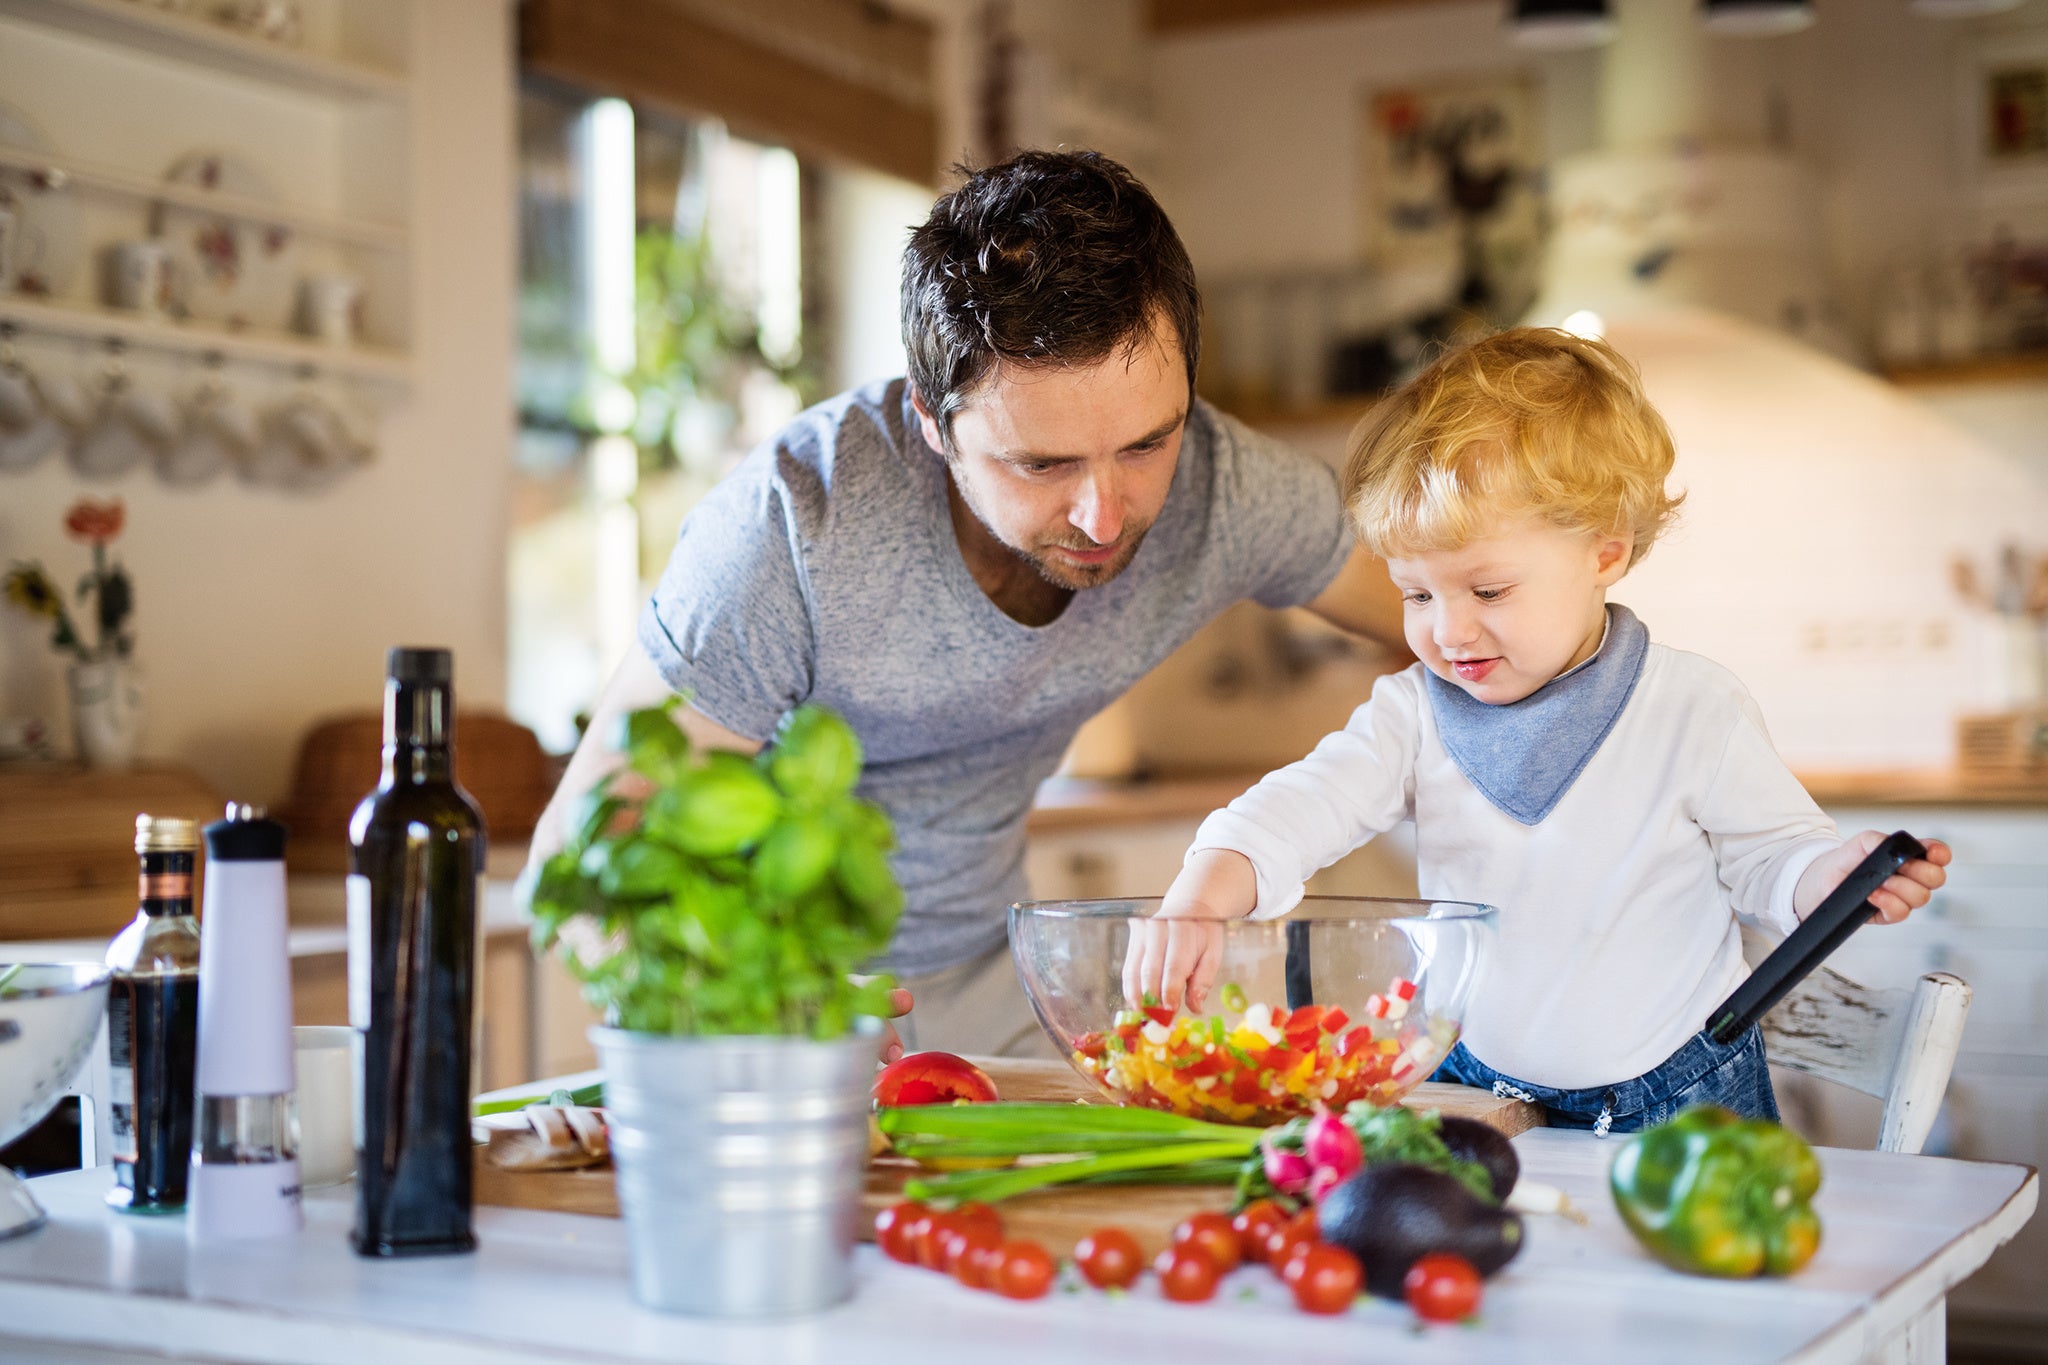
(670, 56)
(1180, 16)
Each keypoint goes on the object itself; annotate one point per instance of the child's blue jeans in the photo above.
(1700, 1072)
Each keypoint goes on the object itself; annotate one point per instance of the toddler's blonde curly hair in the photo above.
(1532, 421)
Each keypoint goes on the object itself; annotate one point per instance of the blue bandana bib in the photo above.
(1524, 756)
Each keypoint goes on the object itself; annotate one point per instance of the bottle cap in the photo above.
(166, 834)
(409, 664)
(245, 835)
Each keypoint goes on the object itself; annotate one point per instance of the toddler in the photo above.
(1617, 800)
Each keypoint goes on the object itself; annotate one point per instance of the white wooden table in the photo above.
(1900, 1231)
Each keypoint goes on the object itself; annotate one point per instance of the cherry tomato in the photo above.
(974, 1211)
(892, 1230)
(959, 1243)
(1109, 1258)
(1025, 1271)
(1254, 1223)
(1325, 1279)
(1186, 1273)
(1296, 1231)
(1213, 1233)
(928, 1235)
(979, 1266)
(1441, 1287)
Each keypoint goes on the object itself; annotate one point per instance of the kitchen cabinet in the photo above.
(1140, 858)
(1989, 926)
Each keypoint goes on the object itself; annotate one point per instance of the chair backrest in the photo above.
(1898, 1045)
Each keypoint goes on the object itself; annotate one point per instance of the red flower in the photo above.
(95, 523)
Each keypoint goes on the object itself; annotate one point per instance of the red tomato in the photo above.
(1159, 1015)
(979, 1266)
(1441, 1287)
(892, 1231)
(974, 1211)
(1091, 1045)
(959, 1245)
(1213, 1233)
(1297, 1232)
(1109, 1258)
(932, 1078)
(1254, 1223)
(1325, 1279)
(1025, 1271)
(1186, 1274)
(928, 1235)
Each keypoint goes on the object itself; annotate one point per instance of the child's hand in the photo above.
(1173, 957)
(1902, 893)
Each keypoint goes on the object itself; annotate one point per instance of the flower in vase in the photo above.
(29, 586)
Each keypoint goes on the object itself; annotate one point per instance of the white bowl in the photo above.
(49, 1016)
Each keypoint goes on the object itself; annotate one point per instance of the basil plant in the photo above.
(705, 892)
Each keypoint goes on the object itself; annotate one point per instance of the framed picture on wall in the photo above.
(2002, 105)
(1452, 181)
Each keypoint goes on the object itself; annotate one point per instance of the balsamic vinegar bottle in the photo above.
(416, 854)
(153, 1024)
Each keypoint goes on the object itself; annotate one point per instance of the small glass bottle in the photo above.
(153, 1024)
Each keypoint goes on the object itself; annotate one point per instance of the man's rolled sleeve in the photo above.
(728, 624)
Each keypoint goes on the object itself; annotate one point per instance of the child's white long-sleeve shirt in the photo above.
(1617, 910)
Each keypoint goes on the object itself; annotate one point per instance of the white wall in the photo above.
(259, 612)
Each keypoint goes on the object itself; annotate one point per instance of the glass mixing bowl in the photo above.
(1346, 998)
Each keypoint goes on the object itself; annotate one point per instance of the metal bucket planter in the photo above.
(740, 1163)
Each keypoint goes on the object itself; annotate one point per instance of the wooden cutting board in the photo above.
(1056, 1217)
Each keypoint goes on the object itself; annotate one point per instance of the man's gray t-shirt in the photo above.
(825, 569)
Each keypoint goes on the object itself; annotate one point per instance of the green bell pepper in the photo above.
(1713, 1194)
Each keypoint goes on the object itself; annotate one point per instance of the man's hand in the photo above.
(1173, 957)
(1902, 893)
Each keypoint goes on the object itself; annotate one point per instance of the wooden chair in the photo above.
(1898, 1045)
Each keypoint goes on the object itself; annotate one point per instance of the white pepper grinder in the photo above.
(245, 1165)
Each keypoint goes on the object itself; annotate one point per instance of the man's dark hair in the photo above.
(1049, 258)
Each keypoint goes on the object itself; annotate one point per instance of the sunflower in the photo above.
(29, 588)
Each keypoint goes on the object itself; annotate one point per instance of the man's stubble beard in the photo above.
(1068, 577)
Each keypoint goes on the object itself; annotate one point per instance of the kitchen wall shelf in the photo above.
(70, 173)
(204, 43)
(2027, 367)
(96, 325)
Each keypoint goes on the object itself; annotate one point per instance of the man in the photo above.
(968, 563)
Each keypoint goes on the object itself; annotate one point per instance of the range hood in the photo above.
(1824, 505)
(1685, 202)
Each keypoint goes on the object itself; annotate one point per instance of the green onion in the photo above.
(1233, 997)
(591, 1095)
(992, 1186)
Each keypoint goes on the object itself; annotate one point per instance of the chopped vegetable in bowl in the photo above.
(1267, 1064)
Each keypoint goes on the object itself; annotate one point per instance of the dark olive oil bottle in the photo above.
(153, 1024)
(416, 853)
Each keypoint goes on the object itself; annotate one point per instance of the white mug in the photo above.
(331, 307)
(141, 276)
(323, 1105)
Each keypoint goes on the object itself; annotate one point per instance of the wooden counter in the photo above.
(1074, 803)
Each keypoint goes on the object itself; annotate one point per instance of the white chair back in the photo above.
(1898, 1045)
